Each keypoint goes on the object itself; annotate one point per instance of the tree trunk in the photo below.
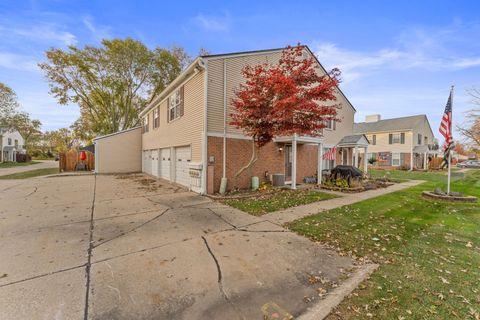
(252, 161)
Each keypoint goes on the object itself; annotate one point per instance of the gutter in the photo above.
(205, 131)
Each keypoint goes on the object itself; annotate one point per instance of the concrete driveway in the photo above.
(130, 247)
(43, 164)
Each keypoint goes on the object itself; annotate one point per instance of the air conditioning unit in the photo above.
(278, 179)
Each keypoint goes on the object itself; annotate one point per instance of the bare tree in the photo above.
(471, 128)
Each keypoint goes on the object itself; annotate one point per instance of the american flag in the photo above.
(446, 124)
(330, 154)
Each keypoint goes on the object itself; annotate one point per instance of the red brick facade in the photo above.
(271, 160)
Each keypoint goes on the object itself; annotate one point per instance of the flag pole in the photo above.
(451, 144)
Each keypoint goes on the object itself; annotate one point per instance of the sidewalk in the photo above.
(294, 213)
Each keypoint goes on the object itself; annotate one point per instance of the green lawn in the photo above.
(403, 175)
(279, 200)
(30, 174)
(16, 164)
(429, 251)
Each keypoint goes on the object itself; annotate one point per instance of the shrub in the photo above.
(23, 157)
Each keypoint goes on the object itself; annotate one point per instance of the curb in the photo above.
(323, 308)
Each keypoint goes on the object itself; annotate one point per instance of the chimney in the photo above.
(373, 118)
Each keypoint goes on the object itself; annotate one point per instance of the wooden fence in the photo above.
(70, 161)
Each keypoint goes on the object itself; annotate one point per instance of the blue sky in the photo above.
(398, 58)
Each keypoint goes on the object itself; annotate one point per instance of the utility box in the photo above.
(278, 179)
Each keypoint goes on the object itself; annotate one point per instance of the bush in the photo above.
(23, 157)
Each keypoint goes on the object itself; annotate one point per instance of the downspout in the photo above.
(223, 183)
(205, 130)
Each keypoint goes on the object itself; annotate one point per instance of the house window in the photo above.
(175, 105)
(16, 144)
(328, 164)
(395, 159)
(425, 140)
(156, 117)
(330, 124)
(145, 123)
(394, 138)
(374, 139)
(419, 140)
(9, 141)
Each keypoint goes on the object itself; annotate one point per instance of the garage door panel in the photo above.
(154, 163)
(183, 156)
(164, 159)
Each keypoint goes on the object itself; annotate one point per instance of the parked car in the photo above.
(469, 164)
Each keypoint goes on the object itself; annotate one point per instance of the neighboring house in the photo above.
(187, 139)
(400, 142)
(11, 143)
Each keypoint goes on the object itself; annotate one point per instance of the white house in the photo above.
(11, 143)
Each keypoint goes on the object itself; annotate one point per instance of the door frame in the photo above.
(287, 167)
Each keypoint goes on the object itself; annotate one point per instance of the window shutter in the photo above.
(390, 138)
(402, 138)
(334, 125)
(168, 109)
(182, 101)
(158, 119)
(402, 158)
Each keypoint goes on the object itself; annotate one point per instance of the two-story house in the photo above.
(187, 138)
(11, 143)
(398, 142)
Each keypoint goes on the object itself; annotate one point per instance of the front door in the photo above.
(345, 156)
(288, 162)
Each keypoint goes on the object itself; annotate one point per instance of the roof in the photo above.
(395, 124)
(198, 61)
(116, 133)
(356, 139)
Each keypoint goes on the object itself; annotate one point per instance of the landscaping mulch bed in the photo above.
(368, 185)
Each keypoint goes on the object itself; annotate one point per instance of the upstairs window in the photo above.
(145, 123)
(395, 138)
(374, 139)
(175, 105)
(156, 117)
(419, 140)
(9, 141)
(16, 143)
(330, 124)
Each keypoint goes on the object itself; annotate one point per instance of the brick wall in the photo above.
(270, 159)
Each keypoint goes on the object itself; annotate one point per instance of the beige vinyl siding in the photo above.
(119, 153)
(234, 66)
(425, 131)
(183, 131)
(383, 145)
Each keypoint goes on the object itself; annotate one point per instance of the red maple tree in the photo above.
(293, 96)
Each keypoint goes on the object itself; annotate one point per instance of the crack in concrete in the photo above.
(142, 250)
(222, 218)
(41, 275)
(34, 190)
(133, 229)
(219, 270)
(90, 249)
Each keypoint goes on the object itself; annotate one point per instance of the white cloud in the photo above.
(213, 23)
(423, 48)
(18, 62)
(45, 32)
(99, 32)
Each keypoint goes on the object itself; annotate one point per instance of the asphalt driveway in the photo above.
(130, 247)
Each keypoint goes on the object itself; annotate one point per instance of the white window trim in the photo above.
(156, 115)
(399, 158)
(399, 138)
(175, 107)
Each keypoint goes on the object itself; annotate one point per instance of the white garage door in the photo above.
(183, 156)
(165, 163)
(147, 162)
(155, 163)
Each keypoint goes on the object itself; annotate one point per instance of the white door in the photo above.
(183, 156)
(155, 163)
(148, 165)
(145, 161)
(165, 163)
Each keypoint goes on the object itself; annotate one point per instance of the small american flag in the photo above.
(330, 154)
(446, 124)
